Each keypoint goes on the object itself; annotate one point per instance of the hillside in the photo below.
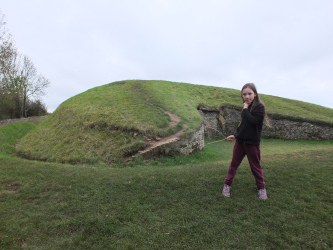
(107, 123)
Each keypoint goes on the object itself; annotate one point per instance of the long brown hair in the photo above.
(256, 101)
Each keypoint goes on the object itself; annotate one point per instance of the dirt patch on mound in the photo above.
(175, 119)
(163, 141)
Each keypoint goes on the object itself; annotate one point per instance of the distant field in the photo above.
(170, 203)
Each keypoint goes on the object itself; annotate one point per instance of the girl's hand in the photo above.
(231, 138)
(246, 105)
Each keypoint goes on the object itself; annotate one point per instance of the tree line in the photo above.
(21, 86)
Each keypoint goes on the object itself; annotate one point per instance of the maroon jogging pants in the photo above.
(253, 155)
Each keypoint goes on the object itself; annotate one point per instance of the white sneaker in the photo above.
(262, 194)
(226, 190)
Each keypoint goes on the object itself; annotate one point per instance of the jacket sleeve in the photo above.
(256, 116)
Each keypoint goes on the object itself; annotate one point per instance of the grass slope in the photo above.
(176, 204)
(106, 123)
(9, 134)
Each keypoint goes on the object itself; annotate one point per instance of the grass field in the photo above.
(171, 203)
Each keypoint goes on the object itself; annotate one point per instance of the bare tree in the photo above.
(8, 56)
(19, 79)
(9, 77)
(31, 84)
(3, 30)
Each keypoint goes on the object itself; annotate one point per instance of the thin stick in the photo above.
(216, 141)
(219, 133)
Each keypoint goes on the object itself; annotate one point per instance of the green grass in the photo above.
(9, 134)
(171, 203)
(106, 123)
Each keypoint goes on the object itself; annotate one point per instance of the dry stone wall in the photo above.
(286, 129)
(226, 120)
(28, 119)
(192, 143)
(184, 146)
(212, 125)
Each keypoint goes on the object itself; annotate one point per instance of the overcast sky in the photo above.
(285, 47)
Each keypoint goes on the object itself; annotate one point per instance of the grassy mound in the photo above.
(106, 123)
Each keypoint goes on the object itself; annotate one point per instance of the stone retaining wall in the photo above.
(191, 144)
(286, 129)
(28, 119)
(184, 146)
(226, 120)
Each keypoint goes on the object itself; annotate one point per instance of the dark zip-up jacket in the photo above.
(249, 131)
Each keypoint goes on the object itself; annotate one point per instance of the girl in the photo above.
(248, 140)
